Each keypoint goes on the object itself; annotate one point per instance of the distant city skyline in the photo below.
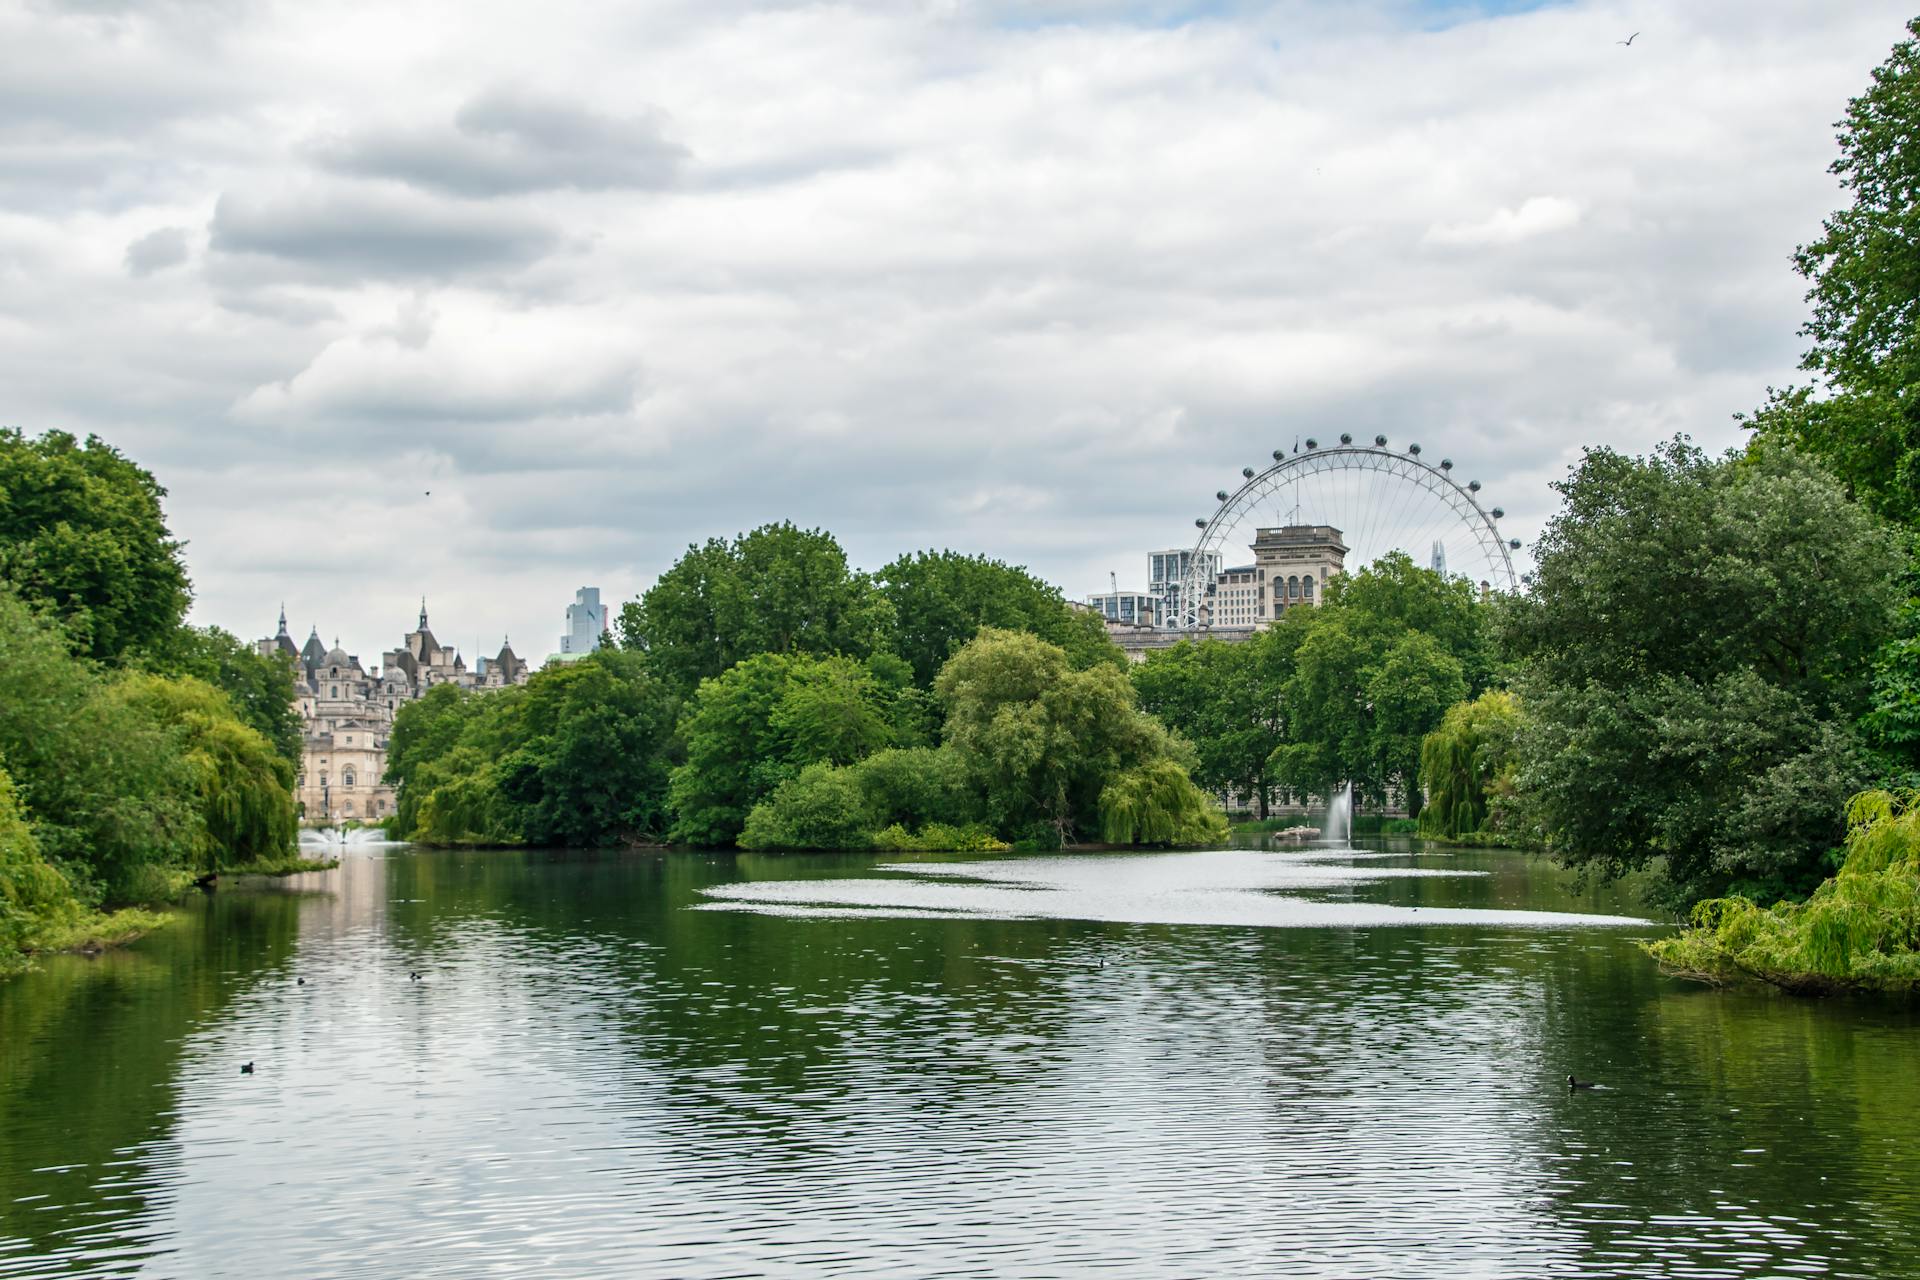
(579, 286)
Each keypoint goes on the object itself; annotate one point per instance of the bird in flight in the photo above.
(1629, 40)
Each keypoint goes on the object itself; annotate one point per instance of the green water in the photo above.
(1232, 1063)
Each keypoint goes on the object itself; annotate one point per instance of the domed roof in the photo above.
(337, 657)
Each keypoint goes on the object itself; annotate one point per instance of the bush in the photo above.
(939, 837)
(1859, 930)
(33, 896)
(820, 809)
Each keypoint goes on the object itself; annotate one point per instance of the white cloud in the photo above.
(1032, 283)
(1537, 216)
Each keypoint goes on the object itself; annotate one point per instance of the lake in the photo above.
(1237, 1062)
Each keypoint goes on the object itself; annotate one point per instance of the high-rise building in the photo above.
(586, 622)
(1166, 572)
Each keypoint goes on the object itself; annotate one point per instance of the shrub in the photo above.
(1859, 930)
(1156, 803)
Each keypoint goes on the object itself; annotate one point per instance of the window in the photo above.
(336, 691)
(348, 810)
(346, 777)
(1306, 586)
(1293, 588)
(349, 739)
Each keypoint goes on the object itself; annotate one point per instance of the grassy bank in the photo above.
(88, 932)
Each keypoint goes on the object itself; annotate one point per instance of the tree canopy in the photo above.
(1697, 647)
(82, 534)
(1862, 418)
(778, 589)
(941, 599)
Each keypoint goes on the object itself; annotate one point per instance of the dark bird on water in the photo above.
(413, 977)
(1575, 1082)
(299, 982)
(1629, 40)
(246, 1068)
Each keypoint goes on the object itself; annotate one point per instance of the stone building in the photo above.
(348, 712)
(1291, 567)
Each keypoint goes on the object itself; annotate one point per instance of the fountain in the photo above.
(1337, 826)
(337, 839)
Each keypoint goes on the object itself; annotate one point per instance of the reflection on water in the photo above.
(1216, 887)
(1120, 1070)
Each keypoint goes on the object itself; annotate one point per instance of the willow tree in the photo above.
(1468, 758)
(1859, 930)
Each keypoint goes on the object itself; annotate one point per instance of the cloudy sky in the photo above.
(1028, 279)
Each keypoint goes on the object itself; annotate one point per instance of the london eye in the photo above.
(1379, 499)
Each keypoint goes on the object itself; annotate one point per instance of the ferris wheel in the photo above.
(1377, 499)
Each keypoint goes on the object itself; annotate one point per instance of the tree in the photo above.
(1041, 740)
(1371, 671)
(1226, 699)
(777, 590)
(110, 797)
(260, 686)
(595, 740)
(33, 896)
(82, 533)
(759, 723)
(1862, 418)
(941, 600)
(1409, 691)
(1466, 761)
(1696, 650)
(245, 787)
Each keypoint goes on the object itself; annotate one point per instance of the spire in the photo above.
(283, 617)
(423, 613)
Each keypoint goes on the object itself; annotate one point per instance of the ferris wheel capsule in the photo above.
(1346, 438)
(1278, 454)
(1498, 514)
(1199, 524)
(1446, 464)
(1380, 442)
(1312, 443)
(1414, 449)
(1473, 486)
(1514, 543)
(1222, 495)
(1247, 472)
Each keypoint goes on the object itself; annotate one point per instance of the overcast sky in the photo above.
(1026, 279)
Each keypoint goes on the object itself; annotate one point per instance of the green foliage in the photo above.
(579, 755)
(1373, 670)
(914, 786)
(259, 686)
(1156, 803)
(1226, 699)
(244, 786)
(1471, 756)
(941, 600)
(34, 897)
(1039, 740)
(939, 837)
(1863, 420)
(762, 721)
(594, 746)
(109, 796)
(777, 590)
(82, 534)
(1859, 930)
(819, 808)
(1697, 648)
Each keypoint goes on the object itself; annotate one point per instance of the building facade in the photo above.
(348, 712)
(586, 622)
(1125, 608)
(1167, 576)
(1291, 567)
